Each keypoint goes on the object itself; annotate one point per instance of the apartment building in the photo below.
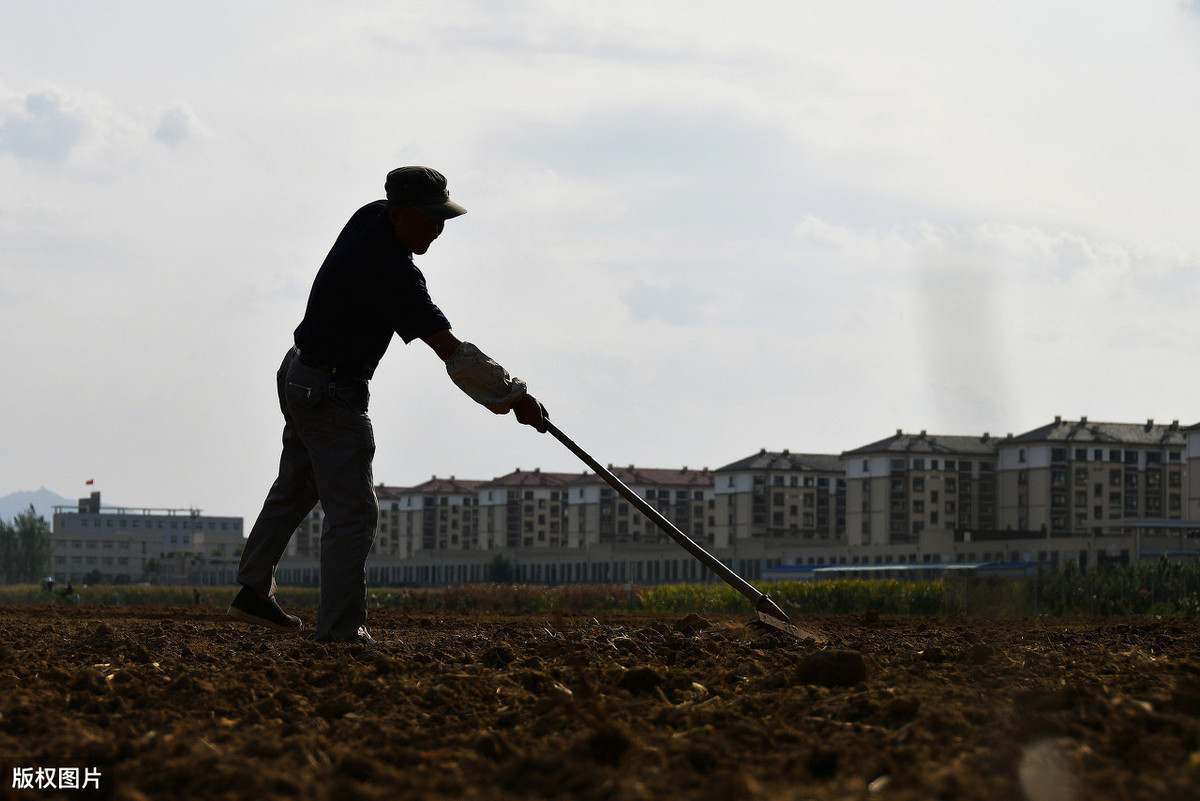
(438, 514)
(121, 545)
(1069, 477)
(524, 509)
(1070, 490)
(441, 514)
(1192, 457)
(780, 497)
(907, 494)
(598, 514)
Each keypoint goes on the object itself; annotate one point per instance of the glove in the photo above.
(484, 381)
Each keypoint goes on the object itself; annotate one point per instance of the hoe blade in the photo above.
(789, 628)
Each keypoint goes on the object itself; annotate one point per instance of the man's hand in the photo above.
(531, 413)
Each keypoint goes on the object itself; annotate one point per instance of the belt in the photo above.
(340, 372)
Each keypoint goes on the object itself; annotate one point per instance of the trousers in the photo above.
(328, 450)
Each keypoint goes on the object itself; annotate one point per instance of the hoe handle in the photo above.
(762, 602)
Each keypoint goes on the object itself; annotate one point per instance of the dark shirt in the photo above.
(367, 289)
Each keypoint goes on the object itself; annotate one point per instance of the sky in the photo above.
(694, 230)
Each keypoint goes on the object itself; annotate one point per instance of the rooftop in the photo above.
(633, 475)
(530, 478)
(786, 460)
(983, 445)
(1083, 430)
(435, 485)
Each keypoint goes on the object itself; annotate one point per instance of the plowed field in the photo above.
(185, 703)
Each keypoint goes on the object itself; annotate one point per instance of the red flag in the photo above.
(91, 481)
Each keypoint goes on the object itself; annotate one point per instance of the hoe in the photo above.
(768, 611)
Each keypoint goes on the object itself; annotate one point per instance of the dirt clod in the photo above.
(640, 680)
(833, 668)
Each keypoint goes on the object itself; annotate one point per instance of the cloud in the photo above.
(89, 134)
(177, 125)
(42, 127)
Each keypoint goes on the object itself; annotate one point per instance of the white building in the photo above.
(119, 545)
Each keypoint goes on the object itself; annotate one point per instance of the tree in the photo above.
(500, 571)
(8, 552)
(25, 548)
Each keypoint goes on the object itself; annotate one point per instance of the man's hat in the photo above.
(423, 189)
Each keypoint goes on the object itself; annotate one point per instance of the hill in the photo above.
(43, 502)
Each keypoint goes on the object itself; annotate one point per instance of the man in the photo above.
(367, 290)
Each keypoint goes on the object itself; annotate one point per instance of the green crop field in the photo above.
(1157, 589)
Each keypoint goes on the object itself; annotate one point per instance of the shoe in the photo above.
(249, 607)
(360, 637)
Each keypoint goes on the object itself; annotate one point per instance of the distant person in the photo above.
(367, 290)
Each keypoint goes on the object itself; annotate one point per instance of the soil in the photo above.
(186, 703)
